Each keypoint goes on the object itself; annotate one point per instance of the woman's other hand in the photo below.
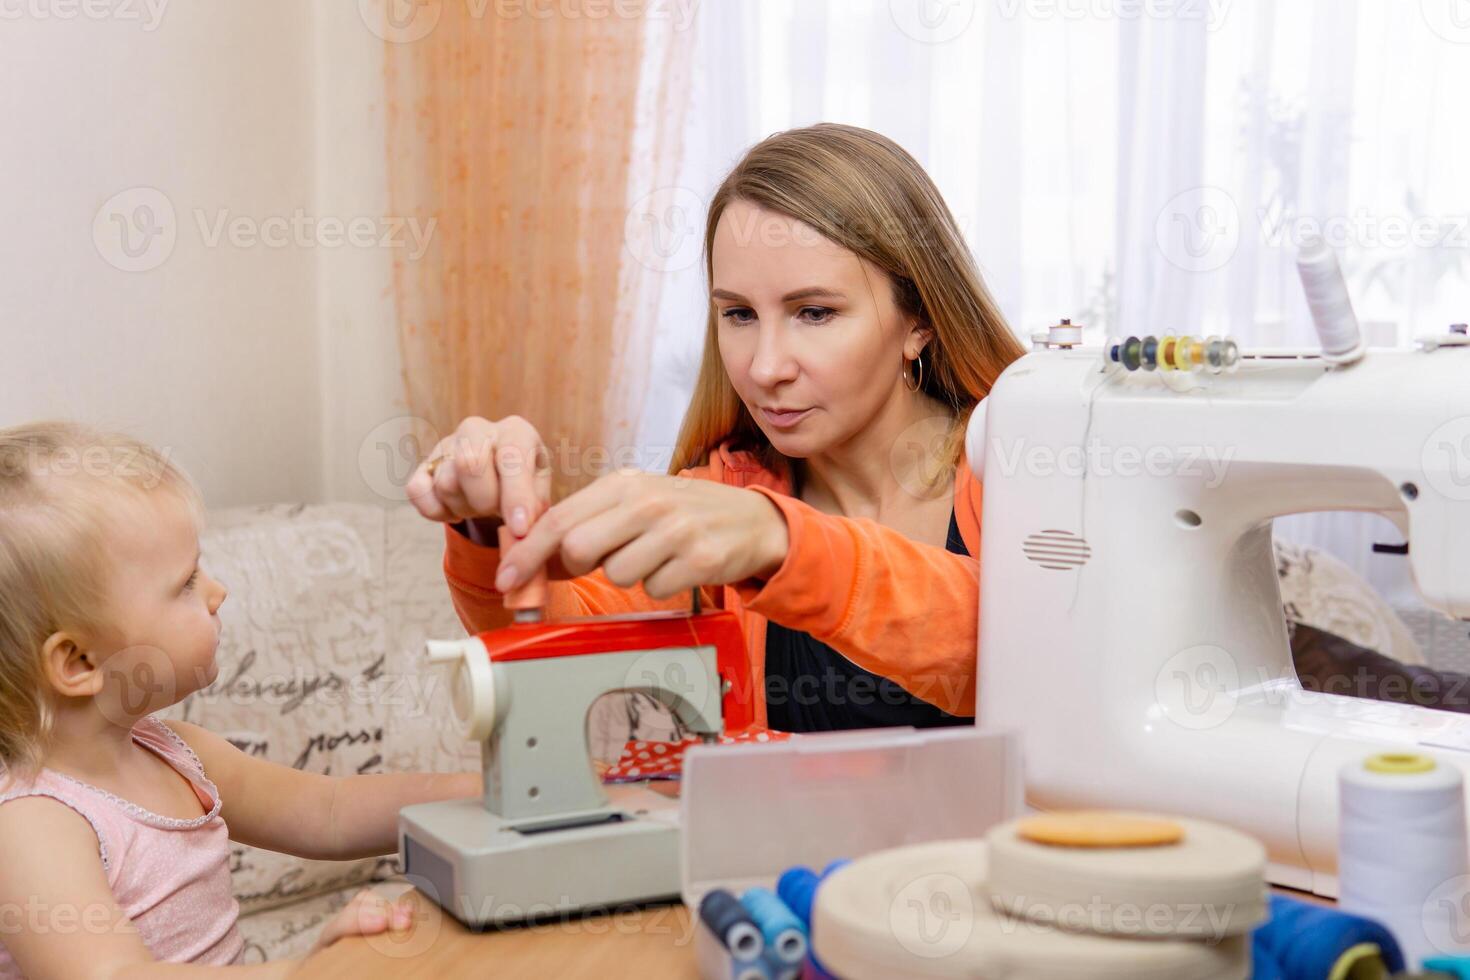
(485, 469)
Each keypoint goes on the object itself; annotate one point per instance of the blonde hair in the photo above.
(59, 483)
(861, 191)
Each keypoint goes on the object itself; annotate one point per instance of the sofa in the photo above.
(324, 627)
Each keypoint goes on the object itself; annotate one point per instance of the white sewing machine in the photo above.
(1130, 619)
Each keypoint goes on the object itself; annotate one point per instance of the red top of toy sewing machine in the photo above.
(638, 631)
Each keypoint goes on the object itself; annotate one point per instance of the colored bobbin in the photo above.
(1150, 353)
(728, 919)
(1218, 355)
(1132, 355)
(782, 930)
(797, 887)
(1167, 347)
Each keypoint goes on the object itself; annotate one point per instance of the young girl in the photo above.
(819, 487)
(114, 824)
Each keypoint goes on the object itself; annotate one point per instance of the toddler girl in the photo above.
(115, 824)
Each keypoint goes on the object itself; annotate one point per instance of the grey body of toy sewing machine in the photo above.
(547, 839)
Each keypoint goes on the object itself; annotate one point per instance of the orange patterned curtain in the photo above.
(527, 130)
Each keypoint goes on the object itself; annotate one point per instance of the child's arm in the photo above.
(58, 917)
(311, 815)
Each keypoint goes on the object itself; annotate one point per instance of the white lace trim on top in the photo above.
(144, 815)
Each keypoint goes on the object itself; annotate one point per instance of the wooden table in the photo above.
(652, 942)
(655, 942)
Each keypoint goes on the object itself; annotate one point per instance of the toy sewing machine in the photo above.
(546, 839)
(1131, 626)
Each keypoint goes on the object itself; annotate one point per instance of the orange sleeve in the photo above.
(893, 606)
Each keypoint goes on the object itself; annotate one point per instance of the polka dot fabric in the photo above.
(665, 760)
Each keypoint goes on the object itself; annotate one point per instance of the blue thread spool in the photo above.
(728, 919)
(1454, 966)
(1304, 941)
(782, 930)
(797, 887)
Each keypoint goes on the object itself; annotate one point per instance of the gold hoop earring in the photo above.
(919, 383)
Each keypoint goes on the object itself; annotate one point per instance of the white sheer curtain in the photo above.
(1141, 168)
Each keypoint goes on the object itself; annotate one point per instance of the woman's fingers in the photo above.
(598, 537)
(420, 486)
(476, 486)
(448, 489)
(545, 537)
(485, 469)
(458, 480)
(672, 577)
(643, 554)
(519, 461)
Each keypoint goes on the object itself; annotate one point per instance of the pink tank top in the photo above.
(171, 876)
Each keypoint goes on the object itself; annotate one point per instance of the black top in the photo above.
(810, 687)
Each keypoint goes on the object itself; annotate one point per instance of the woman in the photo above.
(819, 487)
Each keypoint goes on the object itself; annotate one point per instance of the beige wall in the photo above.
(261, 353)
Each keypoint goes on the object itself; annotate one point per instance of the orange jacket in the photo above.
(893, 606)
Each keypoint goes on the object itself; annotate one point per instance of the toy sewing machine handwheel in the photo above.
(472, 686)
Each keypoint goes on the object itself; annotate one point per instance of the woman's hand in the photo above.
(669, 532)
(485, 470)
(368, 914)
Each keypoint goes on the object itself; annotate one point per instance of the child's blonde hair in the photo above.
(57, 480)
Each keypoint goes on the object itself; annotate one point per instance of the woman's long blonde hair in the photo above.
(861, 191)
(60, 486)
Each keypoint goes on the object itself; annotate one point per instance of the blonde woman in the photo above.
(819, 487)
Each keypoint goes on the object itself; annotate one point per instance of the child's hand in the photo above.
(368, 914)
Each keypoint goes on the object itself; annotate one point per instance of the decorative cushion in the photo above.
(1321, 591)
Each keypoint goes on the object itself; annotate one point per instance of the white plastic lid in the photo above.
(753, 810)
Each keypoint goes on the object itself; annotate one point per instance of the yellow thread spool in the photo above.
(1399, 763)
